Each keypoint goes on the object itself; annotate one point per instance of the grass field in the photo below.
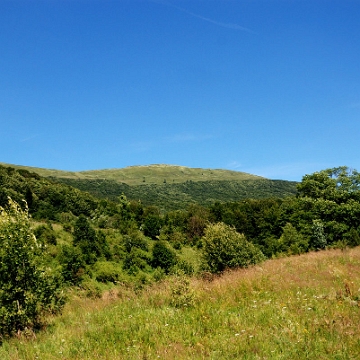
(302, 307)
(150, 174)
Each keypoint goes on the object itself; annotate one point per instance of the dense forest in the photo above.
(175, 196)
(71, 238)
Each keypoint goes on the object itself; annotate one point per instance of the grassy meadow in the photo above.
(300, 307)
(146, 174)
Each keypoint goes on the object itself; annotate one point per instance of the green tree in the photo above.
(223, 248)
(28, 289)
(152, 225)
(331, 198)
(92, 245)
(318, 239)
(291, 241)
(163, 256)
(73, 264)
(337, 184)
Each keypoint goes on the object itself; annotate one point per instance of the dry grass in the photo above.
(303, 307)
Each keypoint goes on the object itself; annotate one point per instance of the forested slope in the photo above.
(180, 195)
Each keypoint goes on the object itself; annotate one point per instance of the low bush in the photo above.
(223, 248)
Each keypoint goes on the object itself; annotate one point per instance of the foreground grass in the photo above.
(302, 307)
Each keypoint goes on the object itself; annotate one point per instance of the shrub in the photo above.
(28, 290)
(182, 296)
(92, 244)
(45, 234)
(291, 241)
(135, 239)
(106, 271)
(73, 264)
(136, 260)
(318, 239)
(223, 248)
(163, 256)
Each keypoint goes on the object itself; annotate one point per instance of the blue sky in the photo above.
(270, 87)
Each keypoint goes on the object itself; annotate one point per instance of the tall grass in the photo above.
(304, 307)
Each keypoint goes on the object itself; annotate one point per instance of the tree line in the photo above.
(70, 238)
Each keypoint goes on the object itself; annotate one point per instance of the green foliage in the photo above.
(46, 199)
(106, 271)
(318, 238)
(224, 248)
(291, 241)
(163, 256)
(45, 234)
(152, 225)
(352, 237)
(337, 184)
(182, 296)
(91, 243)
(175, 196)
(259, 220)
(135, 239)
(136, 260)
(73, 264)
(28, 290)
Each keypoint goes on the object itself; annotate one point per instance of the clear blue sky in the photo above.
(270, 87)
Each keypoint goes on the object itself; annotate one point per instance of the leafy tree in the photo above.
(328, 203)
(45, 234)
(223, 248)
(291, 241)
(73, 264)
(337, 184)
(318, 239)
(28, 290)
(163, 256)
(352, 237)
(135, 239)
(152, 225)
(136, 260)
(92, 244)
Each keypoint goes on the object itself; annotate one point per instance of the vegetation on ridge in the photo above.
(97, 245)
(149, 174)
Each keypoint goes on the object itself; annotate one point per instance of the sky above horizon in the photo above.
(269, 87)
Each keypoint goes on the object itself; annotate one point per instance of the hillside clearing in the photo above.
(302, 307)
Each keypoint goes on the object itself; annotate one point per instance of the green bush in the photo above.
(135, 239)
(182, 296)
(163, 256)
(72, 263)
(223, 248)
(45, 234)
(136, 260)
(28, 290)
(106, 271)
(318, 239)
(291, 241)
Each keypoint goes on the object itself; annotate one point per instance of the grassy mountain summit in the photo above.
(148, 174)
(170, 187)
(158, 174)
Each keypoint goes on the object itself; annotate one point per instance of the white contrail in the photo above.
(218, 23)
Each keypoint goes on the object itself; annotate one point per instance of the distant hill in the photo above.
(147, 174)
(170, 187)
(180, 195)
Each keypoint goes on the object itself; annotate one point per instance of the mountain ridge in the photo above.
(149, 174)
(169, 187)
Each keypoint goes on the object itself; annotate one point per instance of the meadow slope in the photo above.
(299, 307)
